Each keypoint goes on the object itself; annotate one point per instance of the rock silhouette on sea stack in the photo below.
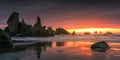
(100, 46)
(38, 22)
(21, 29)
(5, 40)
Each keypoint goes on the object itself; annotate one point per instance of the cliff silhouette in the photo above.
(21, 29)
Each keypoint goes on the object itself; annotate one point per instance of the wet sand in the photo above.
(69, 50)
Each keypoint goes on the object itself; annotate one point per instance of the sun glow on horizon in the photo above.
(98, 30)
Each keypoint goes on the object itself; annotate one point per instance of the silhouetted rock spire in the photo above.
(23, 26)
(13, 17)
(13, 23)
(38, 22)
(17, 28)
(23, 21)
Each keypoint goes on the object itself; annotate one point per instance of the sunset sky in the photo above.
(69, 14)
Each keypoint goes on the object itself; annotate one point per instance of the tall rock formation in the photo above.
(13, 24)
(38, 23)
(17, 28)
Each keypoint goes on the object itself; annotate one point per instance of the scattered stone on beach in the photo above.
(100, 46)
(5, 40)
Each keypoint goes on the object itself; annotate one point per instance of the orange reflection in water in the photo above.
(81, 50)
(76, 48)
(115, 48)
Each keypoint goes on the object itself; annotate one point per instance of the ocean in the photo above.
(109, 38)
(63, 47)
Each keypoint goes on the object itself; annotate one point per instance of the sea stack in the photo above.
(38, 22)
(13, 24)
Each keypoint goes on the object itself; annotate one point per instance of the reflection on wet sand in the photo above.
(39, 47)
(71, 50)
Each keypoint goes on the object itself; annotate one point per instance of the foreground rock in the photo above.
(100, 46)
(5, 40)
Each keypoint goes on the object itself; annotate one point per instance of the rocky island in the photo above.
(21, 29)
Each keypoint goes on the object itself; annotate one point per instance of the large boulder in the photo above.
(100, 46)
(5, 40)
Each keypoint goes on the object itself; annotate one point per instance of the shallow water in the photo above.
(65, 47)
(70, 50)
(109, 38)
